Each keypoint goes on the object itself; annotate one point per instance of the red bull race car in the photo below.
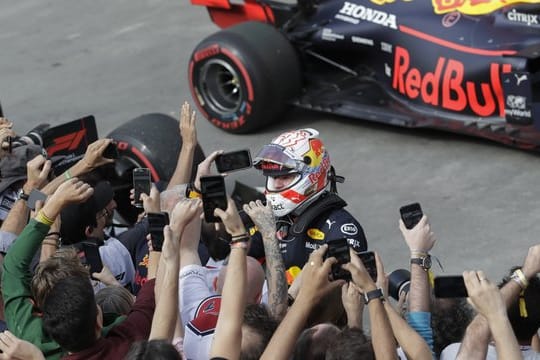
(468, 66)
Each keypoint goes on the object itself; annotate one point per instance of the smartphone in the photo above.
(34, 196)
(214, 195)
(156, 223)
(339, 249)
(234, 160)
(368, 259)
(111, 151)
(92, 257)
(141, 184)
(411, 214)
(450, 287)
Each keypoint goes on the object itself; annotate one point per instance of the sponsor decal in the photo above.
(325, 164)
(67, 142)
(315, 234)
(386, 47)
(383, 2)
(355, 244)
(361, 40)
(312, 246)
(516, 102)
(276, 207)
(292, 273)
(349, 229)
(473, 7)
(354, 13)
(387, 70)
(329, 35)
(451, 19)
(446, 87)
(520, 78)
(330, 223)
(253, 230)
(529, 19)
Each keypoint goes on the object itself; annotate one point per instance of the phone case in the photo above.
(214, 196)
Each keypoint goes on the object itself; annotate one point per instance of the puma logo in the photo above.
(330, 223)
(520, 78)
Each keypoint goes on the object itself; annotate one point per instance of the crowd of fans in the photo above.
(257, 285)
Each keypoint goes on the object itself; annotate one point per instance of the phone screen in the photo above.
(368, 259)
(339, 249)
(141, 184)
(214, 195)
(234, 160)
(34, 196)
(156, 223)
(92, 258)
(111, 151)
(411, 214)
(450, 287)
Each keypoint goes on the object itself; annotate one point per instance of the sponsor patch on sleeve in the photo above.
(315, 234)
(349, 229)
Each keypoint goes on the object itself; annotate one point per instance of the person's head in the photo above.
(114, 301)
(257, 330)
(216, 239)
(255, 280)
(71, 316)
(296, 165)
(350, 344)
(449, 320)
(88, 219)
(48, 273)
(525, 325)
(153, 350)
(314, 341)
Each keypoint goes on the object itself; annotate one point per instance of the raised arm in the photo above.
(263, 218)
(316, 270)
(188, 131)
(228, 335)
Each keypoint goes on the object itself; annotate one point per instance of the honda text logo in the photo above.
(353, 13)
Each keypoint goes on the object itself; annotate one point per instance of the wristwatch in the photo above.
(373, 294)
(423, 261)
(21, 195)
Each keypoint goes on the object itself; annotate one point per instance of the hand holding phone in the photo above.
(339, 249)
(214, 195)
(35, 196)
(111, 151)
(156, 223)
(232, 161)
(92, 257)
(450, 287)
(411, 214)
(370, 263)
(141, 184)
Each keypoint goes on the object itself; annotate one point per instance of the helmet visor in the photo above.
(274, 160)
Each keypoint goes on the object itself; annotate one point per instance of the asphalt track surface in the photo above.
(118, 59)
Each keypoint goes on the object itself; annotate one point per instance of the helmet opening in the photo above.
(278, 183)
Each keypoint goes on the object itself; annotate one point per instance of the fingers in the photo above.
(316, 257)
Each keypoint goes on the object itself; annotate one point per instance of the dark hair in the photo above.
(70, 314)
(261, 324)
(114, 301)
(307, 347)
(153, 350)
(525, 327)
(350, 344)
(449, 320)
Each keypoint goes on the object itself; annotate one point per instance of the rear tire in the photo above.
(152, 141)
(242, 77)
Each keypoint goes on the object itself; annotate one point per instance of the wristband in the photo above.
(42, 218)
(67, 174)
(239, 245)
(192, 192)
(54, 233)
(520, 279)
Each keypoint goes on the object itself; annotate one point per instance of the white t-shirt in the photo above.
(117, 258)
(450, 352)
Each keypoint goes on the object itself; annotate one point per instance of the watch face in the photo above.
(427, 262)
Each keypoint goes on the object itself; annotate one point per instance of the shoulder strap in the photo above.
(326, 202)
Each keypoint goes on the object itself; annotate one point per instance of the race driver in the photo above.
(301, 187)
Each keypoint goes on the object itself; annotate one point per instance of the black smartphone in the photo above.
(450, 287)
(411, 214)
(111, 151)
(368, 259)
(156, 223)
(34, 196)
(141, 184)
(214, 195)
(92, 257)
(339, 248)
(234, 160)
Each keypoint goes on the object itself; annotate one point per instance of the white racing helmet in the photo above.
(300, 153)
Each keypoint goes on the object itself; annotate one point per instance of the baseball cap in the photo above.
(13, 165)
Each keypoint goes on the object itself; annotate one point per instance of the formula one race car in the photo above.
(468, 66)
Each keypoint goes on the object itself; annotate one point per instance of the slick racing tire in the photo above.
(150, 141)
(242, 77)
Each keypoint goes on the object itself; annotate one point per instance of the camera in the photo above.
(398, 281)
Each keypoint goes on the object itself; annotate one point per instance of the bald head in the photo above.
(255, 280)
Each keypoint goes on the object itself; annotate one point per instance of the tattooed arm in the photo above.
(263, 218)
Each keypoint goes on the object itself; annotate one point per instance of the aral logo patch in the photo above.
(354, 13)
(315, 234)
(349, 229)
